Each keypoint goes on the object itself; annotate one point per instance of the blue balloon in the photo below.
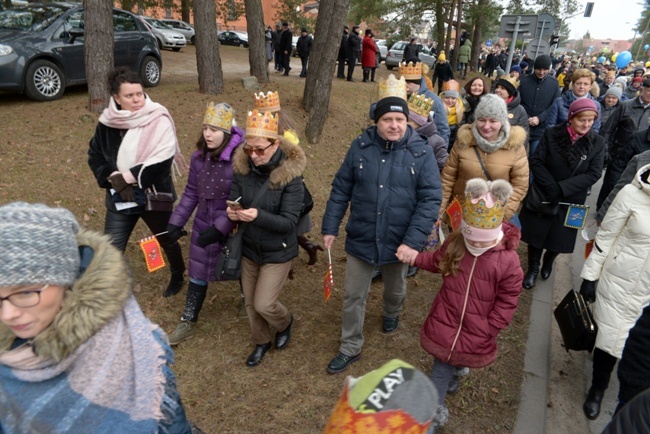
(646, 46)
(601, 59)
(623, 59)
(591, 47)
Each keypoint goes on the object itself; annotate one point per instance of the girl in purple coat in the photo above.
(208, 188)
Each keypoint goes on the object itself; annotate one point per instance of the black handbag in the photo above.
(158, 201)
(536, 202)
(576, 323)
(228, 265)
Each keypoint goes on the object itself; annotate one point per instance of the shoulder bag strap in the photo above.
(582, 160)
(480, 160)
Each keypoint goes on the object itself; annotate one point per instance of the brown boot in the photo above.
(310, 247)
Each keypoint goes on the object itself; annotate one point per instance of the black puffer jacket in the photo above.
(271, 238)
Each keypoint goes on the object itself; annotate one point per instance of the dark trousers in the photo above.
(304, 61)
(278, 60)
(341, 69)
(119, 227)
(352, 61)
(287, 62)
(603, 367)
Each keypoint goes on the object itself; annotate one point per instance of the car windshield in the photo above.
(399, 46)
(30, 18)
(157, 24)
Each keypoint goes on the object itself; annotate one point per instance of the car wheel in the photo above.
(193, 39)
(44, 81)
(150, 71)
(390, 67)
(241, 45)
(176, 49)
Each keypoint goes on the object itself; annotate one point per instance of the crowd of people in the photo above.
(513, 158)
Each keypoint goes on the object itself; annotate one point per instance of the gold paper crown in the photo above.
(410, 71)
(392, 87)
(478, 215)
(261, 124)
(219, 116)
(267, 103)
(420, 104)
(450, 85)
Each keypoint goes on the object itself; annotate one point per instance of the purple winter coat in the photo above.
(430, 131)
(210, 204)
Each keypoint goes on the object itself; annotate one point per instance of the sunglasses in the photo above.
(248, 150)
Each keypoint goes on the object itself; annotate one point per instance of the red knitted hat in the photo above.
(582, 105)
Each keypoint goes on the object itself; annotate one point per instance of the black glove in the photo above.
(210, 236)
(554, 192)
(123, 188)
(588, 290)
(175, 232)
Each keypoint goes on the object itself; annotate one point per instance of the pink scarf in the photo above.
(573, 136)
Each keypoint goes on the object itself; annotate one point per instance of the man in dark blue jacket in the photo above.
(388, 181)
(538, 91)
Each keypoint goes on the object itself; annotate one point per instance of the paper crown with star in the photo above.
(220, 116)
(420, 104)
(261, 124)
(267, 103)
(410, 70)
(484, 208)
(392, 87)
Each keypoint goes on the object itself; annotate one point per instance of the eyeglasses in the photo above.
(28, 298)
(259, 151)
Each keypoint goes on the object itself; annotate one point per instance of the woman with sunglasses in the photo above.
(76, 352)
(268, 185)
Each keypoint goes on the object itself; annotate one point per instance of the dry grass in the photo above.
(43, 159)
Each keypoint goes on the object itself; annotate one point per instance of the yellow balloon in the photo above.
(614, 57)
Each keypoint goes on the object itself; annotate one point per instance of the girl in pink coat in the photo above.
(482, 280)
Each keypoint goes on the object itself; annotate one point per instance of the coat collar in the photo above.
(292, 166)
(465, 138)
(95, 298)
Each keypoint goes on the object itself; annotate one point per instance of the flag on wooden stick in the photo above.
(455, 213)
(328, 285)
(152, 253)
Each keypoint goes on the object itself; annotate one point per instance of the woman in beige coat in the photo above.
(500, 148)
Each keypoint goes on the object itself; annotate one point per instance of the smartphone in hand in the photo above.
(234, 204)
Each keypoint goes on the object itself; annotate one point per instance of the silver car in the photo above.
(394, 55)
(383, 49)
(182, 27)
(167, 37)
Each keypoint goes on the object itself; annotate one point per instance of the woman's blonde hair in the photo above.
(582, 73)
(449, 265)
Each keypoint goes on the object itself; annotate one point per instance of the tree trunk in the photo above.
(98, 51)
(208, 60)
(478, 35)
(440, 26)
(185, 10)
(322, 62)
(450, 24)
(256, 42)
(459, 21)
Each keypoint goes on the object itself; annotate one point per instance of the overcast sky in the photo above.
(608, 20)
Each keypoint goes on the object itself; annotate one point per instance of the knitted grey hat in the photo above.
(492, 106)
(38, 245)
(616, 91)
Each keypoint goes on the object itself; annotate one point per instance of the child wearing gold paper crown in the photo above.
(482, 280)
(208, 188)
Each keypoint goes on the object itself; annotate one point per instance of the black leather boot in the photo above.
(534, 258)
(591, 407)
(258, 353)
(310, 247)
(547, 264)
(366, 75)
(175, 284)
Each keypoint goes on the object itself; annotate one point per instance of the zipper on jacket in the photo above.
(462, 316)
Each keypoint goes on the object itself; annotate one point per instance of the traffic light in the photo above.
(555, 40)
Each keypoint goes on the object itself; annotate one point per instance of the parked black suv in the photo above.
(42, 48)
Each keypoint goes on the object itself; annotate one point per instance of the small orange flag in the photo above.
(152, 253)
(455, 213)
(328, 285)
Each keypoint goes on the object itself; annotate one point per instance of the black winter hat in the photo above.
(391, 104)
(543, 62)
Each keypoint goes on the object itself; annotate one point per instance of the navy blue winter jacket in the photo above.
(394, 193)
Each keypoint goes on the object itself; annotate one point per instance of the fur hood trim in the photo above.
(292, 166)
(465, 138)
(95, 299)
